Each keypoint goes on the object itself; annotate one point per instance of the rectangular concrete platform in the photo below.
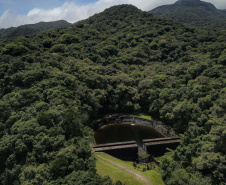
(113, 144)
(160, 139)
(103, 149)
(163, 142)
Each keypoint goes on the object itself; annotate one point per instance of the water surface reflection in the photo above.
(124, 132)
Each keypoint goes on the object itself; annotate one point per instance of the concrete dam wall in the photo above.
(149, 123)
(129, 150)
(167, 132)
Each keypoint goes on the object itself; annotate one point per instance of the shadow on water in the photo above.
(125, 132)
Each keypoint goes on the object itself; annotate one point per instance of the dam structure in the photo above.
(128, 150)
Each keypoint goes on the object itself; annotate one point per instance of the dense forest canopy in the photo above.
(122, 60)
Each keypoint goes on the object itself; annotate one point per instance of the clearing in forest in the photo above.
(125, 172)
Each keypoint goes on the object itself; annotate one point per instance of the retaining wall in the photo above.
(149, 123)
(167, 132)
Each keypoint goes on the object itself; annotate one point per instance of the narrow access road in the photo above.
(134, 173)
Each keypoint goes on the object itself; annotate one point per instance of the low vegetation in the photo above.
(105, 168)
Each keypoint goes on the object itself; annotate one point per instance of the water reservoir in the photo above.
(125, 132)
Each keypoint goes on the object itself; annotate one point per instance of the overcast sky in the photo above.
(19, 12)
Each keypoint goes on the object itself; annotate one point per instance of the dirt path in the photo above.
(134, 173)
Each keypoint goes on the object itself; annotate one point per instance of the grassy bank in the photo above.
(106, 169)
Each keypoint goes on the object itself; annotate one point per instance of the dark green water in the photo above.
(124, 132)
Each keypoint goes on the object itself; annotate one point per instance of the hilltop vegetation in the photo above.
(194, 12)
(123, 60)
(31, 29)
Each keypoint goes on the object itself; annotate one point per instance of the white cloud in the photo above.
(72, 12)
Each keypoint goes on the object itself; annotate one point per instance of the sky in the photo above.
(19, 12)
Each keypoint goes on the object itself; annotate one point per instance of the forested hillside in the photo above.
(31, 29)
(123, 60)
(194, 12)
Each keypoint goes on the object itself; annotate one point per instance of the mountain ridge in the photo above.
(29, 29)
(194, 12)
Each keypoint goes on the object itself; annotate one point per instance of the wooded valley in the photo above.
(123, 60)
